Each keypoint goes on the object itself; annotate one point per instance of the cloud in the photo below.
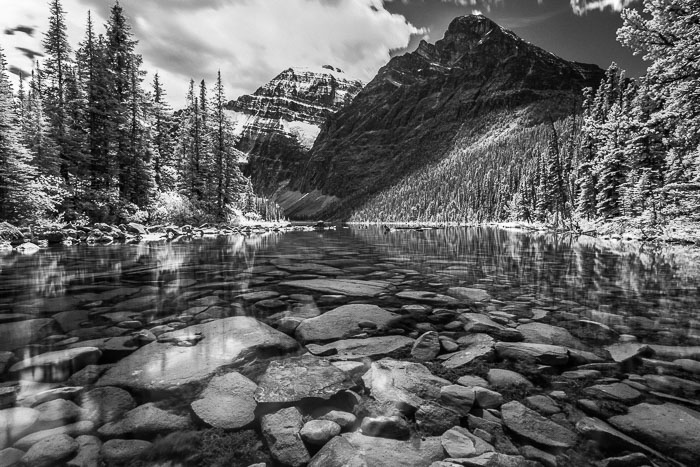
(251, 41)
(581, 7)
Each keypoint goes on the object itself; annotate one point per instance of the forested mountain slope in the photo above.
(423, 106)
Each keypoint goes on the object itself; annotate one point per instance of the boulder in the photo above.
(145, 421)
(55, 413)
(499, 378)
(458, 398)
(123, 450)
(297, 378)
(434, 418)
(427, 297)
(615, 391)
(158, 367)
(541, 333)
(536, 428)
(670, 428)
(486, 398)
(88, 452)
(470, 294)
(406, 384)
(10, 457)
(50, 451)
(338, 452)
(72, 430)
(385, 452)
(319, 432)
(233, 391)
(459, 442)
(610, 438)
(281, 431)
(341, 323)
(592, 330)
(57, 366)
(624, 351)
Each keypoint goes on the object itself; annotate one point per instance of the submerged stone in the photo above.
(342, 322)
(228, 402)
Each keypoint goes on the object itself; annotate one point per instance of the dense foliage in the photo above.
(89, 140)
(630, 151)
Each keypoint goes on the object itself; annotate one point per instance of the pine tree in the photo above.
(163, 159)
(55, 71)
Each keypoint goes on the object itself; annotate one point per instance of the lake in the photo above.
(351, 345)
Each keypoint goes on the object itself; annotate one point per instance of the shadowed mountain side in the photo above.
(421, 104)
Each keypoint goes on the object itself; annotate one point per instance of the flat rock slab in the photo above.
(478, 346)
(281, 431)
(352, 287)
(403, 383)
(541, 353)
(384, 452)
(536, 428)
(50, 451)
(615, 391)
(427, 297)
(297, 378)
(466, 293)
(342, 322)
(541, 333)
(626, 350)
(338, 452)
(166, 367)
(233, 391)
(670, 428)
(57, 366)
(20, 333)
(354, 349)
(609, 437)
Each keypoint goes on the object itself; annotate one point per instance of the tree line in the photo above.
(89, 139)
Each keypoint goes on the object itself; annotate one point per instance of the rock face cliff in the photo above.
(279, 123)
(420, 104)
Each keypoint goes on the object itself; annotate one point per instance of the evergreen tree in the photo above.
(163, 157)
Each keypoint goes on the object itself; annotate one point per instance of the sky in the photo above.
(251, 41)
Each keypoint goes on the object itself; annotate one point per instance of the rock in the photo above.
(50, 451)
(71, 320)
(543, 404)
(394, 427)
(20, 333)
(15, 423)
(338, 452)
(107, 404)
(670, 428)
(435, 419)
(478, 347)
(385, 452)
(541, 333)
(497, 459)
(486, 398)
(88, 375)
(427, 297)
(458, 398)
(343, 419)
(691, 366)
(55, 413)
(123, 450)
(592, 330)
(72, 430)
(88, 452)
(478, 323)
(8, 396)
(622, 352)
(538, 455)
(673, 384)
(354, 369)
(616, 391)
(402, 383)
(319, 432)
(351, 287)
(636, 459)
(470, 380)
(258, 295)
(135, 228)
(157, 367)
(507, 379)
(465, 293)
(271, 305)
(342, 322)
(534, 427)
(458, 442)
(426, 347)
(281, 431)
(55, 367)
(541, 353)
(296, 378)
(10, 457)
(610, 438)
(356, 349)
(233, 391)
(10, 233)
(144, 421)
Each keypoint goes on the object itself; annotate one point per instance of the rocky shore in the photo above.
(337, 363)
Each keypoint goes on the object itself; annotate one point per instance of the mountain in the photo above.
(480, 80)
(279, 123)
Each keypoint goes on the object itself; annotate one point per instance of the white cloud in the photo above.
(249, 40)
(581, 7)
